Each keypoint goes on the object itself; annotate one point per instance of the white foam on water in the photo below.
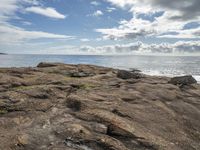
(197, 78)
(159, 73)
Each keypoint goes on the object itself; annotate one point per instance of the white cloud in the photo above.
(95, 3)
(180, 47)
(110, 9)
(11, 35)
(175, 15)
(84, 40)
(48, 12)
(7, 9)
(122, 3)
(184, 34)
(26, 23)
(97, 13)
(139, 48)
(128, 30)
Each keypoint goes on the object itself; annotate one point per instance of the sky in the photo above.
(165, 27)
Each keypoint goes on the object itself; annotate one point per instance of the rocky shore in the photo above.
(83, 107)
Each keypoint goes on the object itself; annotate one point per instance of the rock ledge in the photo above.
(57, 106)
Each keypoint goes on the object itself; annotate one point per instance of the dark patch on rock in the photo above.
(183, 80)
(123, 74)
(135, 70)
(44, 65)
(117, 112)
(74, 104)
(116, 131)
(81, 74)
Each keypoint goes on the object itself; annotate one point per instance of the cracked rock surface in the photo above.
(82, 107)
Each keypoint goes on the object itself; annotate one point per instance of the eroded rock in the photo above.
(85, 107)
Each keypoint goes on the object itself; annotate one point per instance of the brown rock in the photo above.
(86, 107)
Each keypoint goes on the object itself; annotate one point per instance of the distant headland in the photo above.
(3, 54)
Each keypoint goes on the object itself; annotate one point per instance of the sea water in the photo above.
(152, 65)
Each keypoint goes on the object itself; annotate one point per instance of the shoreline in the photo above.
(148, 73)
(151, 66)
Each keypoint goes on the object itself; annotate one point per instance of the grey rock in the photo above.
(123, 74)
(44, 65)
(80, 74)
(183, 80)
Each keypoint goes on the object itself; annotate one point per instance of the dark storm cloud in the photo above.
(190, 9)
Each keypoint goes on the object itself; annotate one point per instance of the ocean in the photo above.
(151, 65)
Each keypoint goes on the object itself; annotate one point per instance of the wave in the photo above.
(160, 73)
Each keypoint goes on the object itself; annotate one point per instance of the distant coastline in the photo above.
(3, 54)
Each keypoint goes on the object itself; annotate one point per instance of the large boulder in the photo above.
(44, 65)
(123, 74)
(183, 80)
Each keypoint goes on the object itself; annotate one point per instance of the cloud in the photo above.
(128, 30)
(110, 9)
(155, 18)
(183, 34)
(187, 9)
(26, 23)
(97, 13)
(122, 3)
(136, 48)
(180, 47)
(48, 12)
(85, 40)
(32, 2)
(8, 8)
(12, 35)
(95, 3)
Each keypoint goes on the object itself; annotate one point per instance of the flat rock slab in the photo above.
(57, 106)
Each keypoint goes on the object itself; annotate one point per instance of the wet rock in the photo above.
(135, 70)
(123, 74)
(183, 80)
(44, 65)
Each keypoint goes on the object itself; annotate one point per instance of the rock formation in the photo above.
(83, 107)
(183, 80)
